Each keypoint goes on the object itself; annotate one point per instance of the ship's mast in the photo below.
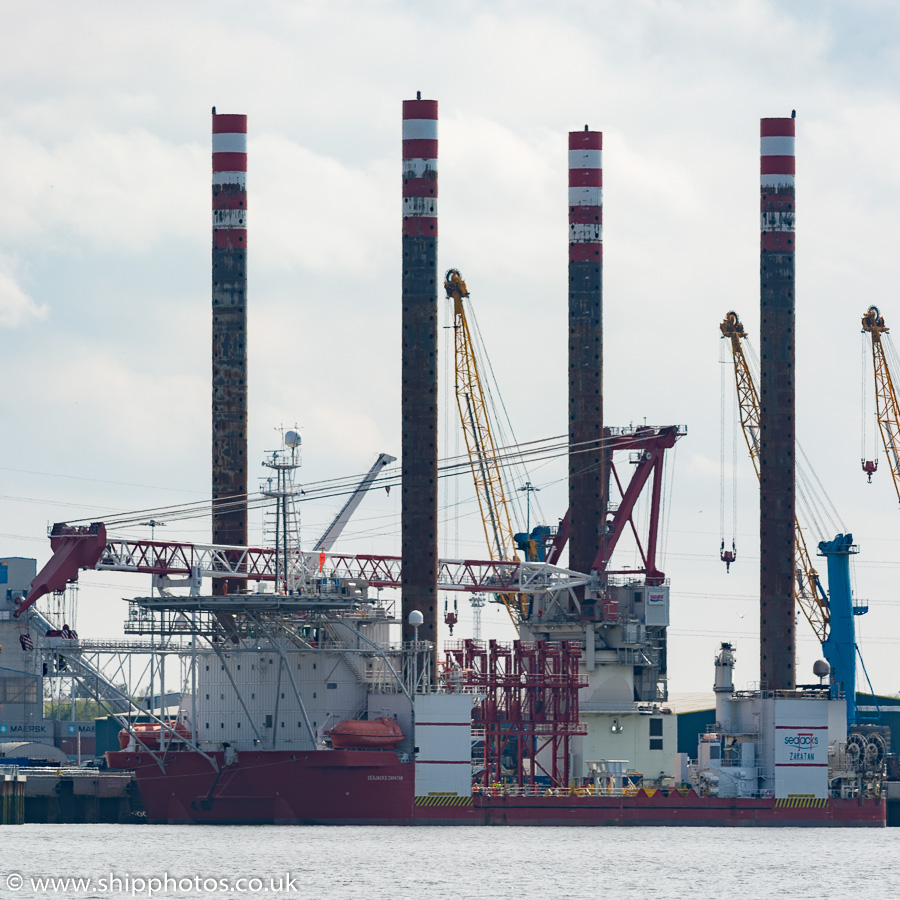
(284, 462)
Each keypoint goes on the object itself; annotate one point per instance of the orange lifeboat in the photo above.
(379, 734)
(149, 733)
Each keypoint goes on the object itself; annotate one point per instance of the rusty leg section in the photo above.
(587, 462)
(776, 458)
(229, 404)
(419, 435)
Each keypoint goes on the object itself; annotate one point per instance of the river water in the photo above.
(184, 863)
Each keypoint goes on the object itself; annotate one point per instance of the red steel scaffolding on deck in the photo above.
(530, 710)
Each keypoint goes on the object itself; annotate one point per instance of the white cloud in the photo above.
(16, 306)
(99, 191)
(315, 212)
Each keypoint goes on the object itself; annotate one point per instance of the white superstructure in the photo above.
(791, 745)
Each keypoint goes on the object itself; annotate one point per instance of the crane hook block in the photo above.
(870, 467)
(728, 556)
(451, 618)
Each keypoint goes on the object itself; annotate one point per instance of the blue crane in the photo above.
(840, 647)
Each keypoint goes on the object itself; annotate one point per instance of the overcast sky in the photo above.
(105, 256)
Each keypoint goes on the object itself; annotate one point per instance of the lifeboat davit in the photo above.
(149, 733)
(378, 734)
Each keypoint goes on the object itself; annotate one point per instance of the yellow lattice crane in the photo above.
(808, 590)
(887, 410)
(473, 415)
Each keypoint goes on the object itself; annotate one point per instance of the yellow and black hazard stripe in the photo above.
(795, 802)
(443, 800)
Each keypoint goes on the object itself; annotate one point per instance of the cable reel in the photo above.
(856, 751)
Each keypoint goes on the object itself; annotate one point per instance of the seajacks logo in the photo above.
(801, 747)
(802, 740)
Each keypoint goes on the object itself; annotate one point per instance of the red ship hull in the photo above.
(362, 787)
(656, 810)
(372, 787)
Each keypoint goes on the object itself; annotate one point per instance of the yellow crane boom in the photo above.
(808, 592)
(473, 415)
(887, 410)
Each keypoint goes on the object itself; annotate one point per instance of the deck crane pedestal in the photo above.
(535, 544)
(839, 646)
